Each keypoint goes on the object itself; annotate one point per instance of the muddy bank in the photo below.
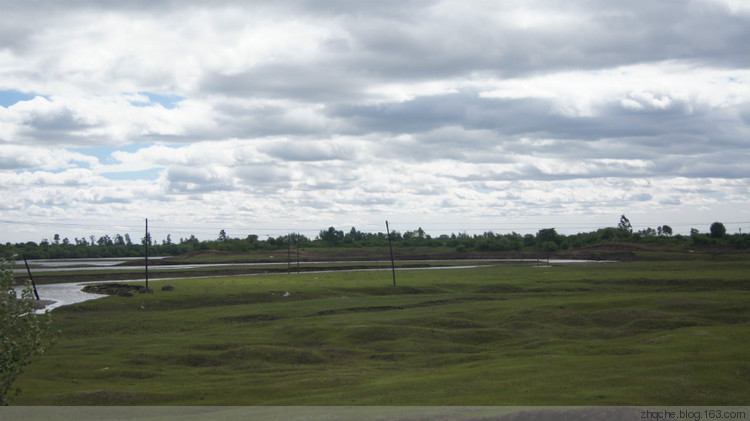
(207, 272)
(116, 289)
(37, 304)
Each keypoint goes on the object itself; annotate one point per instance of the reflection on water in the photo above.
(61, 294)
(52, 265)
(55, 263)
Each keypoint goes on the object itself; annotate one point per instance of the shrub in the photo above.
(23, 334)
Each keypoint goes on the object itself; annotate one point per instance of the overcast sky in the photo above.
(272, 117)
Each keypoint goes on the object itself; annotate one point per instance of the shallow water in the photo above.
(63, 265)
(61, 294)
(71, 293)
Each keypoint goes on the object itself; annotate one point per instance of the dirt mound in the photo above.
(200, 253)
(608, 251)
(116, 289)
(619, 247)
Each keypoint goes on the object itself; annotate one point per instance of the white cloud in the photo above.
(17, 157)
(582, 93)
(426, 112)
(739, 7)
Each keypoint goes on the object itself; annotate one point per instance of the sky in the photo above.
(270, 117)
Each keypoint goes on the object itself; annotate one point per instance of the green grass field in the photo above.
(635, 333)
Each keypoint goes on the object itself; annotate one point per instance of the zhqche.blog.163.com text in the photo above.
(693, 414)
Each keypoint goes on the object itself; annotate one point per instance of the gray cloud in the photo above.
(263, 176)
(418, 39)
(680, 132)
(309, 82)
(307, 151)
(8, 162)
(380, 47)
(61, 121)
(605, 34)
(196, 180)
(424, 107)
(515, 117)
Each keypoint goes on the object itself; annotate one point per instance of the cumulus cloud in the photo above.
(309, 151)
(19, 157)
(425, 111)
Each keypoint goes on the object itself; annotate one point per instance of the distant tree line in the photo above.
(545, 240)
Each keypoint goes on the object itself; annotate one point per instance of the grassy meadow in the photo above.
(647, 332)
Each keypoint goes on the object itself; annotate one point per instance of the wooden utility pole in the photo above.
(289, 253)
(297, 253)
(393, 264)
(146, 241)
(30, 277)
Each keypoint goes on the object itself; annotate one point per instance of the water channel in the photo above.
(61, 294)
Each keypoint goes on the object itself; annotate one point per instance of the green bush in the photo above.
(23, 334)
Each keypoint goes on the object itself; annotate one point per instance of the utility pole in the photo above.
(393, 265)
(297, 253)
(30, 277)
(147, 240)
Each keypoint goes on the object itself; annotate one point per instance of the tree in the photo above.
(420, 233)
(718, 230)
(222, 236)
(104, 240)
(194, 240)
(624, 225)
(331, 236)
(548, 246)
(666, 230)
(354, 235)
(23, 334)
(649, 232)
(547, 235)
